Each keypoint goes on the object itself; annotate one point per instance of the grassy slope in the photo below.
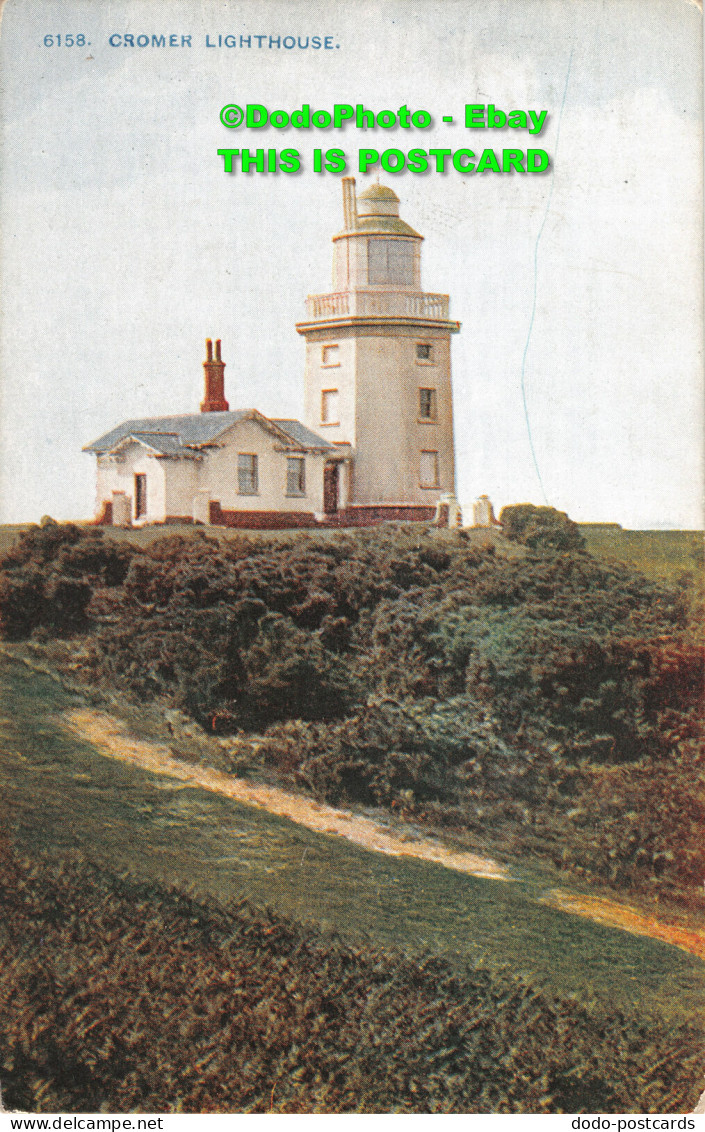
(191, 1007)
(664, 556)
(63, 797)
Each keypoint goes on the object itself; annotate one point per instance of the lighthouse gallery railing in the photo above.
(404, 304)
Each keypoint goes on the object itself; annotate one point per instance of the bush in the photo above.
(540, 527)
(22, 602)
(407, 669)
(49, 577)
(291, 675)
(41, 545)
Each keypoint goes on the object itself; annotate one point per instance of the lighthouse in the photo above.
(376, 441)
(377, 379)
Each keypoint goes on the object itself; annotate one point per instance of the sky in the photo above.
(577, 373)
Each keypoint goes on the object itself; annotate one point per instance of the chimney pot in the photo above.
(214, 370)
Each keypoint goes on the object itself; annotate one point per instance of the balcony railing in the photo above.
(377, 304)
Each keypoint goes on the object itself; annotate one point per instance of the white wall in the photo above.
(378, 379)
(219, 473)
(117, 473)
(182, 480)
(341, 377)
(172, 484)
(390, 436)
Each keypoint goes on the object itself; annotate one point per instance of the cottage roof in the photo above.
(165, 444)
(301, 434)
(184, 435)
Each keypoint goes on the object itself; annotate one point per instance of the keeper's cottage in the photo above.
(376, 441)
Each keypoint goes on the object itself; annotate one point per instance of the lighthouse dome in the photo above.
(378, 200)
(377, 214)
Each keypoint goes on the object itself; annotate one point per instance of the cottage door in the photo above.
(330, 488)
(140, 496)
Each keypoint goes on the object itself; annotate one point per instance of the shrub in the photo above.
(41, 545)
(407, 669)
(22, 601)
(540, 527)
(49, 577)
(291, 675)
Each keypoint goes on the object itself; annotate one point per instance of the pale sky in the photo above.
(125, 245)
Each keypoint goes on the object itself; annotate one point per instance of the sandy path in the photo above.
(612, 915)
(109, 736)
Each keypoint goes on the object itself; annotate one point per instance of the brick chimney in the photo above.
(214, 369)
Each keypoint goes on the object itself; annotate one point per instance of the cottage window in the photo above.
(428, 470)
(331, 356)
(424, 352)
(140, 496)
(295, 475)
(247, 479)
(427, 404)
(329, 406)
(390, 261)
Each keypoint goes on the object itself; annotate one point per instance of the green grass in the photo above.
(664, 556)
(63, 797)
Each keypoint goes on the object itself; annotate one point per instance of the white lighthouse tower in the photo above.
(378, 375)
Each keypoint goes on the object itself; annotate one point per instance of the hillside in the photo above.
(541, 703)
(193, 1007)
(676, 558)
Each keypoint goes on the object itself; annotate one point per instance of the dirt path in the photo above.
(110, 736)
(612, 915)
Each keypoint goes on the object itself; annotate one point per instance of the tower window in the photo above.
(428, 470)
(424, 352)
(427, 404)
(331, 356)
(295, 475)
(390, 261)
(247, 478)
(329, 406)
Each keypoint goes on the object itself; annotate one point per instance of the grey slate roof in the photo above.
(183, 435)
(166, 444)
(301, 434)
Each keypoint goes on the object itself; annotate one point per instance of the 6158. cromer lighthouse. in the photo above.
(376, 440)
